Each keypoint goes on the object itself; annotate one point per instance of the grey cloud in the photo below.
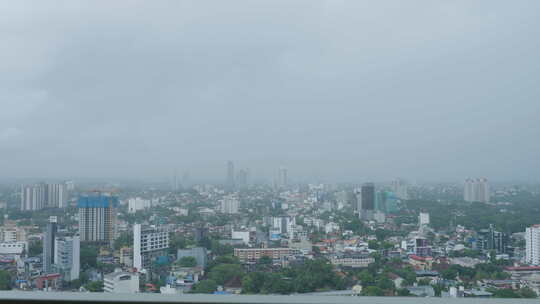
(347, 90)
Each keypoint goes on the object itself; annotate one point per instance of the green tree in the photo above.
(35, 248)
(205, 286)
(225, 272)
(5, 280)
(96, 286)
(372, 291)
(188, 261)
(265, 260)
(88, 256)
(124, 240)
(527, 293)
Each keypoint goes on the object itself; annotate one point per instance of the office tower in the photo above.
(489, 239)
(33, 197)
(67, 256)
(476, 190)
(282, 181)
(532, 245)
(48, 244)
(97, 218)
(423, 219)
(57, 195)
(242, 178)
(148, 244)
(367, 203)
(230, 175)
(229, 205)
(400, 189)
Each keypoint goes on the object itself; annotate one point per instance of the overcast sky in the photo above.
(340, 90)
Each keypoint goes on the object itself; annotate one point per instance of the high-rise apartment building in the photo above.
(39, 196)
(229, 205)
(57, 195)
(33, 197)
(148, 244)
(476, 190)
(532, 245)
(67, 256)
(48, 244)
(97, 217)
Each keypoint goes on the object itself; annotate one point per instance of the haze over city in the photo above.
(337, 90)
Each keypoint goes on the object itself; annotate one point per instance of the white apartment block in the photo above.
(136, 204)
(476, 190)
(67, 253)
(532, 245)
(229, 205)
(148, 242)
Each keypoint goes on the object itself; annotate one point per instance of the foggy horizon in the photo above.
(331, 90)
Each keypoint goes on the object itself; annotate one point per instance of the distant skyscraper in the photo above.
(67, 256)
(532, 245)
(282, 177)
(48, 244)
(242, 178)
(476, 190)
(97, 218)
(367, 204)
(230, 174)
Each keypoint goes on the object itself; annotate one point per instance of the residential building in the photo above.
(423, 219)
(12, 248)
(136, 204)
(229, 205)
(121, 282)
(148, 244)
(476, 190)
(33, 197)
(532, 245)
(352, 260)
(97, 218)
(67, 256)
(57, 195)
(250, 255)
